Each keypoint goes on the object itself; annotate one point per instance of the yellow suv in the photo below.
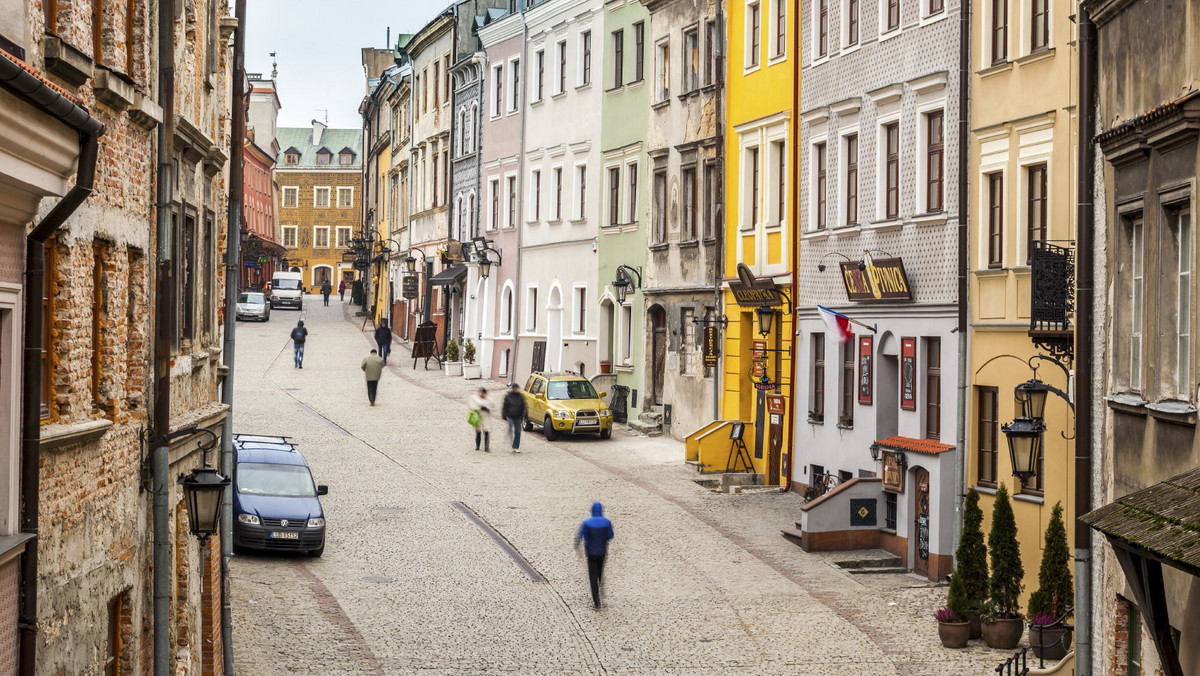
(565, 403)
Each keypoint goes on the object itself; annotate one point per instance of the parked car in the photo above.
(566, 403)
(254, 305)
(275, 501)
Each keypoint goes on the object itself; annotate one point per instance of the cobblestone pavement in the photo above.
(697, 583)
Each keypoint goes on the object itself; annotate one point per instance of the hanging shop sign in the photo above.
(866, 372)
(349, 256)
(408, 287)
(262, 259)
(893, 472)
(751, 291)
(880, 279)
(711, 347)
(454, 252)
(760, 349)
(908, 374)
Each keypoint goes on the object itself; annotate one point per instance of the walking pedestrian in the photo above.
(513, 409)
(383, 338)
(299, 335)
(481, 407)
(372, 366)
(594, 535)
(326, 289)
(342, 290)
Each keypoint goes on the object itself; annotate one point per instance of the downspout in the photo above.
(1083, 342)
(718, 300)
(797, 81)
(36, 92)
(964, 148)
(164, 329)
(233, 266)
(516, 312)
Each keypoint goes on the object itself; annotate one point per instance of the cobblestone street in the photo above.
(411, 581)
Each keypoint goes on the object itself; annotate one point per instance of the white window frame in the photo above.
(579, 309)
(922, 193)
(342, 189)
(751, 61)
(579, 191)
(558, 187)
(538, 78)
(777, 138)
(662, 70)
(349, 231)
(843, 185)
(774, 53)
(295, 232)
(881, 166)
(511, 202)
(690, 77)
(815, 32)
(927, 17)
(745, 189)
(506, 309)
(317, 229)
(844, 46)
(625, 334)
(534, 212)
(630, 191)
(612, 212)
(561, 61)
(585, 60)
(1024, 164)
(1184, 236)
(514, 91)
(493, 221)
(884, 33)
(328, 195)
(1137, 300)
(813, 143)
(294, 191)
(531, 309)
(497, 91)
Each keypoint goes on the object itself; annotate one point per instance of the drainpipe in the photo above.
(516, 312)
(718, 304)
(233, 266)
(165, 329)
(1083, 342)
(797, 81)
(36, 92)
(964, 148)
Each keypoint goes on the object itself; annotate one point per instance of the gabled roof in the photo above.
(299, 140)
(347, 151)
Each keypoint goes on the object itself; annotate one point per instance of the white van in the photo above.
(287, 290)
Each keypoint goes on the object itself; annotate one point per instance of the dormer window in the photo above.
(324, 158)
(346, 159)
(291, 158)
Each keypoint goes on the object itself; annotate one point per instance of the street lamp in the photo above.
(624, 281)
(1024, 445)
(203, 488)
(482, 250)
(821, 263)
(1031, 394)
(766, 314)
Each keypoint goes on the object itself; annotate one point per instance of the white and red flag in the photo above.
(839, 324)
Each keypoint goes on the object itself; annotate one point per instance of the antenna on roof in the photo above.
(274, 67)
(388, 44)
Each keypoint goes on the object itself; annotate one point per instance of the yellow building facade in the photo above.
(1023, 176)
(762, 83)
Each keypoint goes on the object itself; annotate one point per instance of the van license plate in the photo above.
(284, 535)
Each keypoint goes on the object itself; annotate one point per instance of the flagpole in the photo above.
(872, 329)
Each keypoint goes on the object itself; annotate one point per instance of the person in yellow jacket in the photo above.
(372, 366)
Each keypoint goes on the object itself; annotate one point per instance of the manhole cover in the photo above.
(391, 510)
(377, 578)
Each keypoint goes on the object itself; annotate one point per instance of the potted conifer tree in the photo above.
(970, 563)
(1002, 623)
(452, 365)
(1055, 594)
(953, 628)
(471, 370)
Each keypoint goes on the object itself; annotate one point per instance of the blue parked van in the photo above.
(275, 503)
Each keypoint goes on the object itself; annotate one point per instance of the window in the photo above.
(753, 187)
(510, 183)
(893, 14)
(817, 412)
(614, 195)
(936, 6)
(540, 78)
(581, 193)
(988, 422)
(781, 26)
(626, 333)
(434, 186)
(321, 237)
(999, 31)
(851, 163)
(535, 187)
(446, 79)
(711, 49)
(934, 153)
(531, 308)
(506, 311)
(851, 22)
(324, 158)
(558, 193)
(494, 213)
(580, 309)
(1136, 301)
(1182, 224)
(753, 34)
(689, 204)
(321, 197)
(687, 349)
(995, 244)
(639, 51)
(345, 159)
(712, 198)
(562, 67)
(343, 237)
(819, 196)
(663, 66)
(436, 77)
(1131, 626)
(781, 181)
(291, 158)
(585, 66)
(822, 28)
(660, 206)
(497, 90)
(618, 58)
(291, 197)
(891, 134)
(889, 511)
(933, 388)
(1035, 207)
(345, 197)
(289, 236)
(99, 309)
(1039, 26)
(632, 172)
(691, 60)
(848, 385)
(120, 619)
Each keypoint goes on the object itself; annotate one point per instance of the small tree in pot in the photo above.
(970, 564)
(1002, 621)
(1055, 594)
(471, 370)
(452, 364)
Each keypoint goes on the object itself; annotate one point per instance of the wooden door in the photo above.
(539, 356)
(658, 364)
(921, 521)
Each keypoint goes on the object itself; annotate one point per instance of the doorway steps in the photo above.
(648, 422)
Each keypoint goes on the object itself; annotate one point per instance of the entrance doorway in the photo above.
(921, 519)
(658, 354)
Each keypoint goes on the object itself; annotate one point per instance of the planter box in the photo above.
(453, 368)
(472, 371)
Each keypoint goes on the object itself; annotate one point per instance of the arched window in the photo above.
(471, 214)
(464, 134)
(474, 122)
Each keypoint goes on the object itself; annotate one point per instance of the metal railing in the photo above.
(821, 484)
(1017, 665)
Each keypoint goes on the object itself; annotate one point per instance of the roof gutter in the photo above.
(30, 87)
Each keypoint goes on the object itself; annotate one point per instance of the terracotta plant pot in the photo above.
(1003, 634)
(1055, 640)
(954, 634)
(973, 620)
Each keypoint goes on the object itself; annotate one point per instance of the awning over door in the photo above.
(451, 275)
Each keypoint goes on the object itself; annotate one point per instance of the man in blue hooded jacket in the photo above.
(595, 534)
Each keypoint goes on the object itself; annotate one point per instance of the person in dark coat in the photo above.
(513, 409)
(298, 336)
(594, 535)
(383, 338)
(342, 291)
(326, 289)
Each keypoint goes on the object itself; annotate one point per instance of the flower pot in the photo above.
(1003, 634)
(973, 619)
(472, 371)
(1053, 638)
(606, 366)
(954, 634)
(453, 368)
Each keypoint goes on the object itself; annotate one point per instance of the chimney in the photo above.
(318, 130)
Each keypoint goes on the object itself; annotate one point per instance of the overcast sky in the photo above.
(317, 44)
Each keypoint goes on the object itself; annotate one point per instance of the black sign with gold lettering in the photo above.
(751, 291)
(881, 279)
(712, 350)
